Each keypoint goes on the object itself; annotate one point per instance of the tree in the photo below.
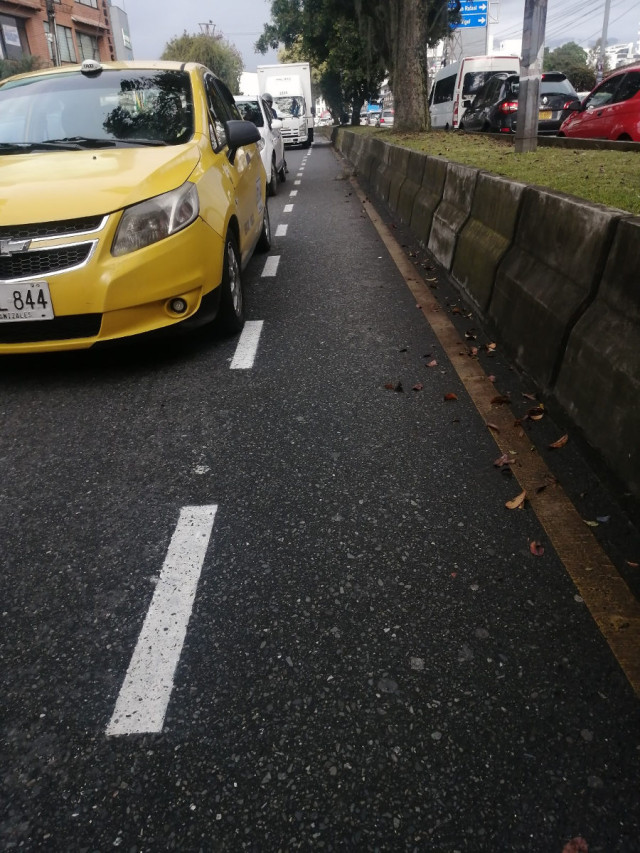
(401, 30)
(325, 33)
(215, 52)
(572, 60)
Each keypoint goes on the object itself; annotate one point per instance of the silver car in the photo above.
(271, 144)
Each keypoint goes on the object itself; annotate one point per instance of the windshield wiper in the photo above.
(70, 144)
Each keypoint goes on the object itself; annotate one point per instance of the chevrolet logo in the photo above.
(12, 247)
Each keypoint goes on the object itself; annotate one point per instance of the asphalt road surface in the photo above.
(255, 596)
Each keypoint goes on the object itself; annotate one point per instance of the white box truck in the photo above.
(289, 84)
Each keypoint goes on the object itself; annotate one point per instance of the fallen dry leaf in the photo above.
(633, 565)
(536, 549)
(536, 413)
(517, 502)
(493, 427)
(529, 396)
(491, 347)
(505, 459)
(417, 387)
(470, 336)
(500, 400)
(449, 397)
(560, 442)
(473, 351)
(491, 378)
(590, 523)
(432, 363)
(576, 845)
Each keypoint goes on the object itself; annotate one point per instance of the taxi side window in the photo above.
(227, 98)
(217, 114)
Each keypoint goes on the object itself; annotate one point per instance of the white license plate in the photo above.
(25, 301)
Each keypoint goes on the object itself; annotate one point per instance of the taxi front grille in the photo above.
(47, 230)
(58, 329)
(43, 261)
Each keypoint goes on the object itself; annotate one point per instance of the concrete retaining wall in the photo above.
(557, 277)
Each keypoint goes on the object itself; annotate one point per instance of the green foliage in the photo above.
(400, 31)
(216, 53)
(325, 34)
(572, 60)
(9, 67)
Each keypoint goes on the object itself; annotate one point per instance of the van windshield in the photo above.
(290, 106)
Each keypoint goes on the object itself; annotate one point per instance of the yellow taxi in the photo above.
(132, 196)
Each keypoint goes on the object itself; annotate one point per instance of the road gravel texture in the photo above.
(375, 659)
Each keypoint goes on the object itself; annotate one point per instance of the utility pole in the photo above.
(53, 35)
(602, 58)
(208, 29)
(535, 19)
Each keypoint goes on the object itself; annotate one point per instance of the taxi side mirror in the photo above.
(240, 133)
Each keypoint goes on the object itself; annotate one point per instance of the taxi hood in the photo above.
(50, 186)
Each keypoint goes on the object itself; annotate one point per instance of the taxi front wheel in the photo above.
(230, 317)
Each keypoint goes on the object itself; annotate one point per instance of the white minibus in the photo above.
(459, 82)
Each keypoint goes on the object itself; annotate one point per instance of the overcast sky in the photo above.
(152, 24)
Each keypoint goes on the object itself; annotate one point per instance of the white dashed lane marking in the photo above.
(297, 183)
(245, 353)
(293, 193)
(142, 703)
(281, 230)
(271, 266)
(288, 208)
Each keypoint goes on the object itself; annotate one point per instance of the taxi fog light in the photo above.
(155, 219)
(178, 305)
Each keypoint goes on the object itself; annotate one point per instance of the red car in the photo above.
(610, 111)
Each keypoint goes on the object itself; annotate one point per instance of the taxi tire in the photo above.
(230, 318)
(264, 240)
(282, 174)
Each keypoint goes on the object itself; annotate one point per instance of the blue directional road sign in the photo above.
(472, 14)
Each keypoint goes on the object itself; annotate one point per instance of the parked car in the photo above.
(133, 195)
(271, 144)
(457, 83)
(386, 119)
(495, 106)
(374, 117)
(610, 111)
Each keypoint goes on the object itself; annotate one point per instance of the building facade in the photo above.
(58, 32)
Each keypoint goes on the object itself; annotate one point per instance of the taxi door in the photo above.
(246, 172)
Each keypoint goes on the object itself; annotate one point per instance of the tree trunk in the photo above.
(409, 70)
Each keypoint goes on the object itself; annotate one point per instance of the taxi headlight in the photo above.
(155, 219)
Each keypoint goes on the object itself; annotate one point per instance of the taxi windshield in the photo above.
(113, 107)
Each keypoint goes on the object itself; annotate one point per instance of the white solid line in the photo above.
(271, 266)
(247, 348)
(281, 230)
(293, 193)
(288, 208)
(142, 702)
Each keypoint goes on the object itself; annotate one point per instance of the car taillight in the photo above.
(509, 107)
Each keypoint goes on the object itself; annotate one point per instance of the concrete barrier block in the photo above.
(487, 235)
(428, 197)
(398, 161)
(357, 151)
(410, 187)
(452, 212)
(599, 381)
(372, 154)
(381, 172)
(549, 276)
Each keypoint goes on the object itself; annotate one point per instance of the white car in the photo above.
(271, 144)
